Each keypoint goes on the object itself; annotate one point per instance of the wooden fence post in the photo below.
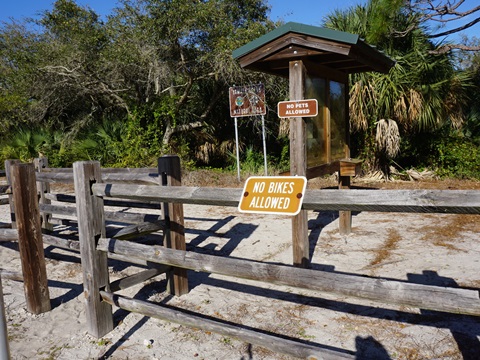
(30, 242)
(91, 226)
(8, 166)
(42, 189)
(348, 169)
(169, 171)
(344, 217)
(4, 347)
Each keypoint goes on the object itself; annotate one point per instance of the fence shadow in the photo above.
(144, 294)
(316, 226)
(465, 329)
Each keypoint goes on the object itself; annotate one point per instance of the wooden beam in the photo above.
(120, 216)
(8, 165)
(345, 216)
(61, 243)
(67, 177)
(116, 203)
(75, 246)
(58, 209)
(91, 226)
(136, 230)
(174, 233)
(138, 278)
(11, 275)
(183, 194)
(30, 242)
(348, 168)
(455, 300)
(43, 188)
(282, 345)
(298, 165)
(8, 235)
(420, 201)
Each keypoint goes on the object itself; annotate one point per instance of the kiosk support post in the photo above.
(298, 165)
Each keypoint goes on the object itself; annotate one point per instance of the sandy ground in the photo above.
(423, 248)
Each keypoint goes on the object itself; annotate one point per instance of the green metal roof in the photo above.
(338, 50)
(315, 31)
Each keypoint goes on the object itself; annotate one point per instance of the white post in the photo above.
(4, 348)
(264, 146)
(238, 151)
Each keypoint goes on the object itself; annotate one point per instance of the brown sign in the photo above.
(273, 195)
(247, 100)
(298, 108)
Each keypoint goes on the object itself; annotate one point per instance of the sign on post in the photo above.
(273, 195)
(247, 100)
(298, 108)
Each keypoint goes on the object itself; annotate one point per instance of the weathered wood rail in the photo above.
(418, 201)
(4, 189)
(94, 190)
(135, 175)
(135, 224)
(455, 300)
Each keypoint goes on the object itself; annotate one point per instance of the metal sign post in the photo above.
(264, 146)
(238, 152)
(248, 100)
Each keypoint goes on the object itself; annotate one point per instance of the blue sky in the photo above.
(304, 11)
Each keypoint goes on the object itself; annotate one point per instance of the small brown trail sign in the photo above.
(248, 100)
(298, 108)
(273, 195)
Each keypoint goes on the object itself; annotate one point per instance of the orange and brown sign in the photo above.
(273, 195)
(298, 108)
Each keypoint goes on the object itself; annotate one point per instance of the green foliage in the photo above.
(253, 161)
(26, 144)
(457, 157)
(153, 79)
(150, 79)
(422, 93)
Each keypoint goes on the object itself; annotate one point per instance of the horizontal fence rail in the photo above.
(4, 190)
(141, 175)
(427, 297)
(71, 199)
(419, 201)
(274, 343)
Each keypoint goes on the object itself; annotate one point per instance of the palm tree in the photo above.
(421, 93)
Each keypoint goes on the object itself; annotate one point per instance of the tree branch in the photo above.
(455, 30)
(446, 48)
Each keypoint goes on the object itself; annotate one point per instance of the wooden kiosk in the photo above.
(317, 62)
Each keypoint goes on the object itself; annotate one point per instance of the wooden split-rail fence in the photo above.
(94, 189)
